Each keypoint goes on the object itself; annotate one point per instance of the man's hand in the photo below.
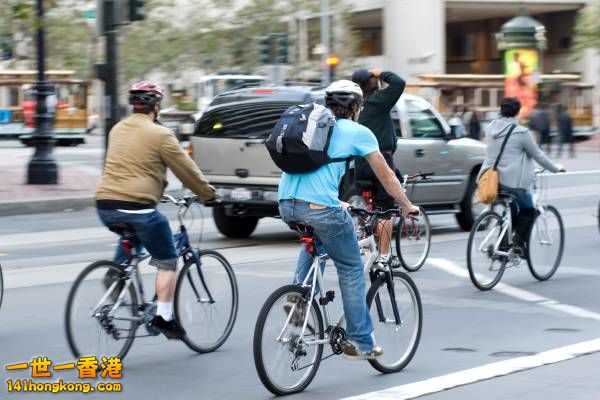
(411, 209)
(376, 72)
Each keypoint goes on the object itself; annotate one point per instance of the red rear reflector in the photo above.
(264, 91)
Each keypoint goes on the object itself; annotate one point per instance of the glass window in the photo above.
(396, 121)
(423, 123)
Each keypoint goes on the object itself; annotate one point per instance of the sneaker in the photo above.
(171, 329)
(298, 315)
(352, 352)
(110, 277)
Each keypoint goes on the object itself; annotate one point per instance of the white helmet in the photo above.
(343, 93)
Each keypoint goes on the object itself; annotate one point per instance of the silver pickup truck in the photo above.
(228, 146)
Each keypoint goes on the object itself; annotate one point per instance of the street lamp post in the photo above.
(42, 168)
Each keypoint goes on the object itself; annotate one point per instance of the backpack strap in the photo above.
(512, 128)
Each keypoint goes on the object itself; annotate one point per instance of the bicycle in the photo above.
(103, 321)
(411, 234)
(490, 245)
(295, 348)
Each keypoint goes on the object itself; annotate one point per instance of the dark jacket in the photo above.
(540, 120)
(376, 112)
(565, 126)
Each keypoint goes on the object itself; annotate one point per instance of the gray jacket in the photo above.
(516, 168)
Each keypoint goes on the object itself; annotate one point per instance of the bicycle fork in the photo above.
(390, 287)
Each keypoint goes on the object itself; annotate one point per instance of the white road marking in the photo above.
(457, 270)
(488, 371)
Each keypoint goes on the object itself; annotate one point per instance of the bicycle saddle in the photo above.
(122, 229)
(301, 227)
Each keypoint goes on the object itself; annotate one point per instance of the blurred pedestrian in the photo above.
(456, 123)
(539, 121)
(470, 120)
(565, 130)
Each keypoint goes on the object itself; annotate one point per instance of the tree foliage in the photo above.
(587, 29)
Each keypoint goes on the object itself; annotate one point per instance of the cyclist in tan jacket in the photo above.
(134, 179)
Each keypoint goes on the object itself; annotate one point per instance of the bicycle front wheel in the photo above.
(206, 301)
(93, 328)
(287, 360)
(413, 240)
(397, 314)
(546, 244)
(485, 265)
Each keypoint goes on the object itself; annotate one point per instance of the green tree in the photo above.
(587, 29)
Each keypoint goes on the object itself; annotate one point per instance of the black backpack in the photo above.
(299, 141)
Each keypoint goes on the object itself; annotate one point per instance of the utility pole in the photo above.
(111, 87)
(325, 39)
(42, 168)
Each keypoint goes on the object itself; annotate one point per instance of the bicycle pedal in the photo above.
(329, 296)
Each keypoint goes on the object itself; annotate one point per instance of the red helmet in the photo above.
(145, 93)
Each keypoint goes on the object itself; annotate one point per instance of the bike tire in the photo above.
(260, 353)
(561, 230)
(78, 288)
(407, 259)
(484, 221)
(200, 337)
(400, 282)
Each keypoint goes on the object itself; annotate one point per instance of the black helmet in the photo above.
(343, 93)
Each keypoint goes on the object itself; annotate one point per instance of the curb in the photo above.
(23, 207)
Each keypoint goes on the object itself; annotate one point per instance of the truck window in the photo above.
(254, 120)
(396, 121)
(423, 123)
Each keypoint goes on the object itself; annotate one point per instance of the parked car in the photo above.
(228, 146)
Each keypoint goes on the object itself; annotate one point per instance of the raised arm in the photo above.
(388, 97)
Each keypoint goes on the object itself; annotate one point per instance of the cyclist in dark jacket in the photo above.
(376, 116)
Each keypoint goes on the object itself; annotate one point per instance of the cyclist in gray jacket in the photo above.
(516, 170)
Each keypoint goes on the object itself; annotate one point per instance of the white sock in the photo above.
(165, 309)
(385, 256)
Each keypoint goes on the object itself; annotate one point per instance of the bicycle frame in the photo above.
(183, 247)
(314, 278)
(506, 229)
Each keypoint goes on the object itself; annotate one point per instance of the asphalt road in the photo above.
(463, 328)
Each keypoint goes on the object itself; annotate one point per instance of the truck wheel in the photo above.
(234, 227)
(470, 208)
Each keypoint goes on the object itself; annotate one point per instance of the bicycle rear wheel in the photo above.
(546, 244)
(285, 362)
(399, 340)
(413, 240)
(206, 301)
(90, 330)
(485, 266)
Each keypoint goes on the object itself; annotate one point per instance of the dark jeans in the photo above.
(154, 232)
(381, 197)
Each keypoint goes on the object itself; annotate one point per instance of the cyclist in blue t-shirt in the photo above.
(312, 198)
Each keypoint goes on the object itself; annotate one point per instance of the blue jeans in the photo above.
(334, 231)
(153, 231)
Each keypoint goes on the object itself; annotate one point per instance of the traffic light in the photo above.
(282, 48)
(135, 10)
(265, 49)
(332, 62)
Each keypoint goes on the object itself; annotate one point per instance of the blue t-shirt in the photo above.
(321, 186)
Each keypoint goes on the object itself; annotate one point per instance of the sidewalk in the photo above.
(75, 190)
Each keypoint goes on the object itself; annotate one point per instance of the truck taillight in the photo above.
(190, 150)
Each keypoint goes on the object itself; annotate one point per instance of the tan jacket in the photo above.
(138, 155)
